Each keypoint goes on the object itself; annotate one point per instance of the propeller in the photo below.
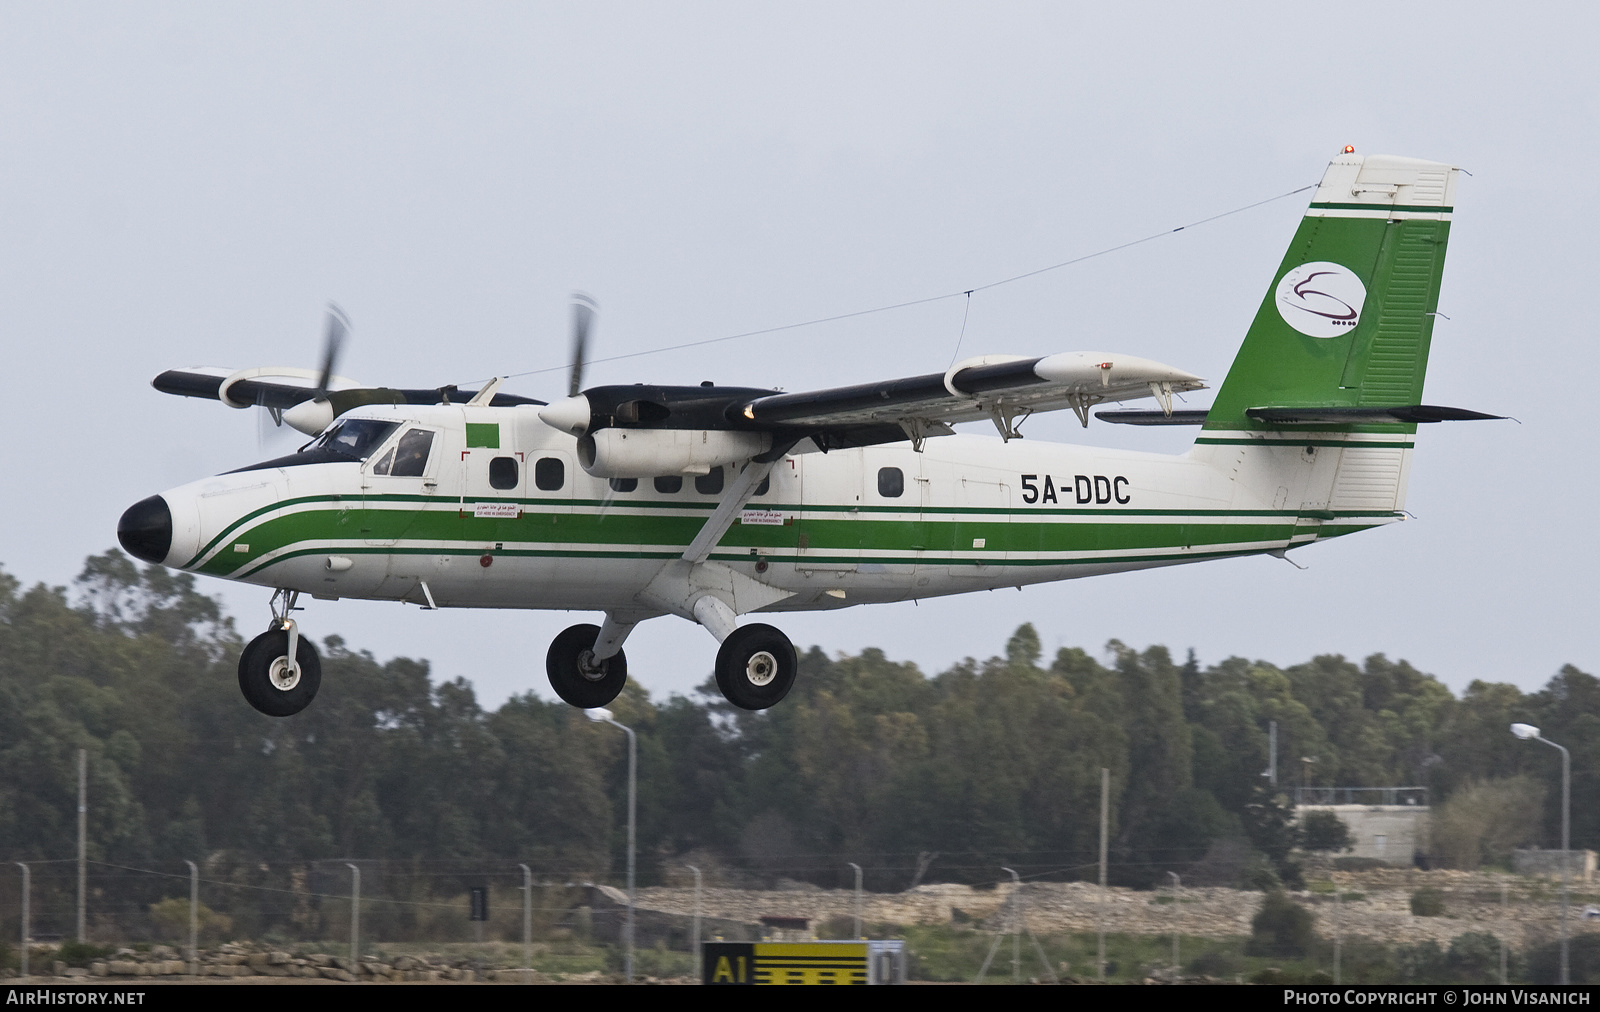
(583, 310)
(332, 345)
(314, 415)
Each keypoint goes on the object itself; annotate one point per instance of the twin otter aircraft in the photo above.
(714, 502)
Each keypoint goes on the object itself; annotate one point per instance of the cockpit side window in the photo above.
(411, 455)
(355, 437)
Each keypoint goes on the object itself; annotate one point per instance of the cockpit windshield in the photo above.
(354, 437)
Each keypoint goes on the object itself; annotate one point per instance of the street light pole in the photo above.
(1525, 732)
(601, 715)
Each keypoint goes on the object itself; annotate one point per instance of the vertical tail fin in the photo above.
(1348, 318)
(1345, 328)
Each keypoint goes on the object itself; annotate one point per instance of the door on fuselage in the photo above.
(398, 483)
(827, 541)
(980, 524)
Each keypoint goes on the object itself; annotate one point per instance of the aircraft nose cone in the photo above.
(145, 529)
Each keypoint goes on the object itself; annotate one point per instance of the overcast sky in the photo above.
(185, 184)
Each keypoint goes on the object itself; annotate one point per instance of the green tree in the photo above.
(1281, 927)
(1325, 832)
(1484, 821)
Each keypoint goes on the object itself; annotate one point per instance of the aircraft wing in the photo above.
(1004, 389)
(252, 387)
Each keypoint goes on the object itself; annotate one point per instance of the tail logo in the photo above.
(1321, 299)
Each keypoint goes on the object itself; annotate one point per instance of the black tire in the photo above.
(756, 667)
(578, 683)
(256, 674)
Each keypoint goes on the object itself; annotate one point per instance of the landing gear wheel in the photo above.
(577, 677)
(270, 683)
(756, 667)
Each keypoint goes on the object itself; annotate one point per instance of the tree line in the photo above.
(917, 778)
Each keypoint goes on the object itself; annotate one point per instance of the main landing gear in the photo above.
(578, 677)
(270, 681)
(756, 665)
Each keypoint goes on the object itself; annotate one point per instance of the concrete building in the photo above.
(1392, 829)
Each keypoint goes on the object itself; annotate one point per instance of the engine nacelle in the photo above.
(649, 453)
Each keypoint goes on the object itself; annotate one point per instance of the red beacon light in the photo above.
(1349, 149)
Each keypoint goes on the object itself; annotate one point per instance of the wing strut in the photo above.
(733, 500)
(713, 593)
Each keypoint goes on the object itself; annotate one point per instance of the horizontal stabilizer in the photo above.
(1359, 415)
(1153, 417)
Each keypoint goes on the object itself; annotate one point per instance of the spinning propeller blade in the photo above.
(583, 310)
(332, 345)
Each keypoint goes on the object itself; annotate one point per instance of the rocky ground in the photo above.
(162, 964)
(1374, 905)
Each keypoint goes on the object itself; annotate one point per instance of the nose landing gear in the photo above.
(279, 672)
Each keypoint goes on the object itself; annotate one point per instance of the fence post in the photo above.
(355, 914)
(83, 837)
(27, 939)
(695, 924)
(527, 924)
(194, 918)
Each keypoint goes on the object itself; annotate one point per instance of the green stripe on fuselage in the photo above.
(1032, 537)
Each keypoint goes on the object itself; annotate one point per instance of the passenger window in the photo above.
(503, 473)
(891, 482)
(709, 483)
(765, 486)
(669, 484)
(411, 456)
(624, 484)
(550, 474)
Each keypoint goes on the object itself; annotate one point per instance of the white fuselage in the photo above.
(830, 530)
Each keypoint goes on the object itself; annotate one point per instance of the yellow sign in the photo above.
(785, 963)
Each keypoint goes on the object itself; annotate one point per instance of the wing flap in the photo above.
(1153, 417)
